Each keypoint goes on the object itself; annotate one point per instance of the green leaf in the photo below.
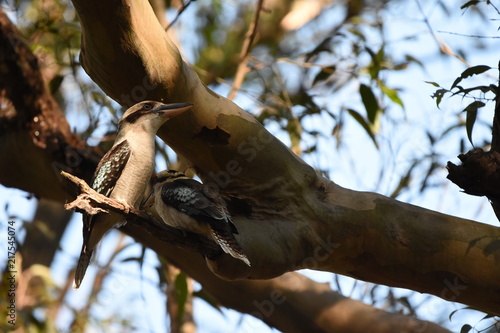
(456, 82)
(411, 58)
(324, 74)
(469, 72)
(392, 94)
(306, 100)
(370, 102)
(483, 89)
(438, 95)
(471, 110)
(55, 83)
(475, 70)
(207, 297)
(376, 65)
(403, 182)
(181, 289)
(361, 120)
(324, 46)
(469, 3)
(433, 83)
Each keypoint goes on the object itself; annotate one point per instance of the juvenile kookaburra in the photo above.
(124, 172)
(186, 204)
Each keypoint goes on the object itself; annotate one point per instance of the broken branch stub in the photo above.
(88, 201)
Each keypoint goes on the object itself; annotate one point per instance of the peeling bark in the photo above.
(364, 235)
(288, 217)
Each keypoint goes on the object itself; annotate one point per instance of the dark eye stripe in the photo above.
(132, 118)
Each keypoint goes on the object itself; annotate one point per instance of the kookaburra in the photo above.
(124, 172)
(186, 204)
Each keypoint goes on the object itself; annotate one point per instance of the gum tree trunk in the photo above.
(288, 216)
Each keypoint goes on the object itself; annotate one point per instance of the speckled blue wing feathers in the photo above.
(198, 201)
(110, 168)
(204, 205)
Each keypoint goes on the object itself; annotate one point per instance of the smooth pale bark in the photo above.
(291, 302)
(315, 306)
(288, 216)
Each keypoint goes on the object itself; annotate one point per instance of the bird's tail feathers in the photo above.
(81, 267)
(230, 245)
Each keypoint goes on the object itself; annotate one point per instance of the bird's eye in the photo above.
(147, 106)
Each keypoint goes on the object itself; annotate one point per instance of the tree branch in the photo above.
(90, 202)
(479, 173)
(33, 129)
(242, 69)
(262, 299)
(278, 175)
(287, 215)
(181, 10)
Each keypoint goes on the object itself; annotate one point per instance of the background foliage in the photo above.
(376, 95)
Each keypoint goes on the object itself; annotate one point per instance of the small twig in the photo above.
(243, 69)
(179, 12)
(496, 9)
(443, 46)
(467, 35)
(90, 202)
(88, 199)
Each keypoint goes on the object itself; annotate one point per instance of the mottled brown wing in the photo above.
(105, 177)
(110, 167)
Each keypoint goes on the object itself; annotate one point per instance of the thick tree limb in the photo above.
(288, 296)
(33, 129)
(325, 311)
(292, 302)
(288, 216)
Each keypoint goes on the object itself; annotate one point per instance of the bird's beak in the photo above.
(171, 110)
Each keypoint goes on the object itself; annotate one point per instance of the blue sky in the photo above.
(357, 165)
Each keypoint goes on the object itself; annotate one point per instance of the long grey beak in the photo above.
(171, 110)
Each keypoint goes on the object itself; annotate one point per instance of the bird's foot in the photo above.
(126, 207)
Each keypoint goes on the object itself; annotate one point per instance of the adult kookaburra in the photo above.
(186, 204)
(124, 172)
